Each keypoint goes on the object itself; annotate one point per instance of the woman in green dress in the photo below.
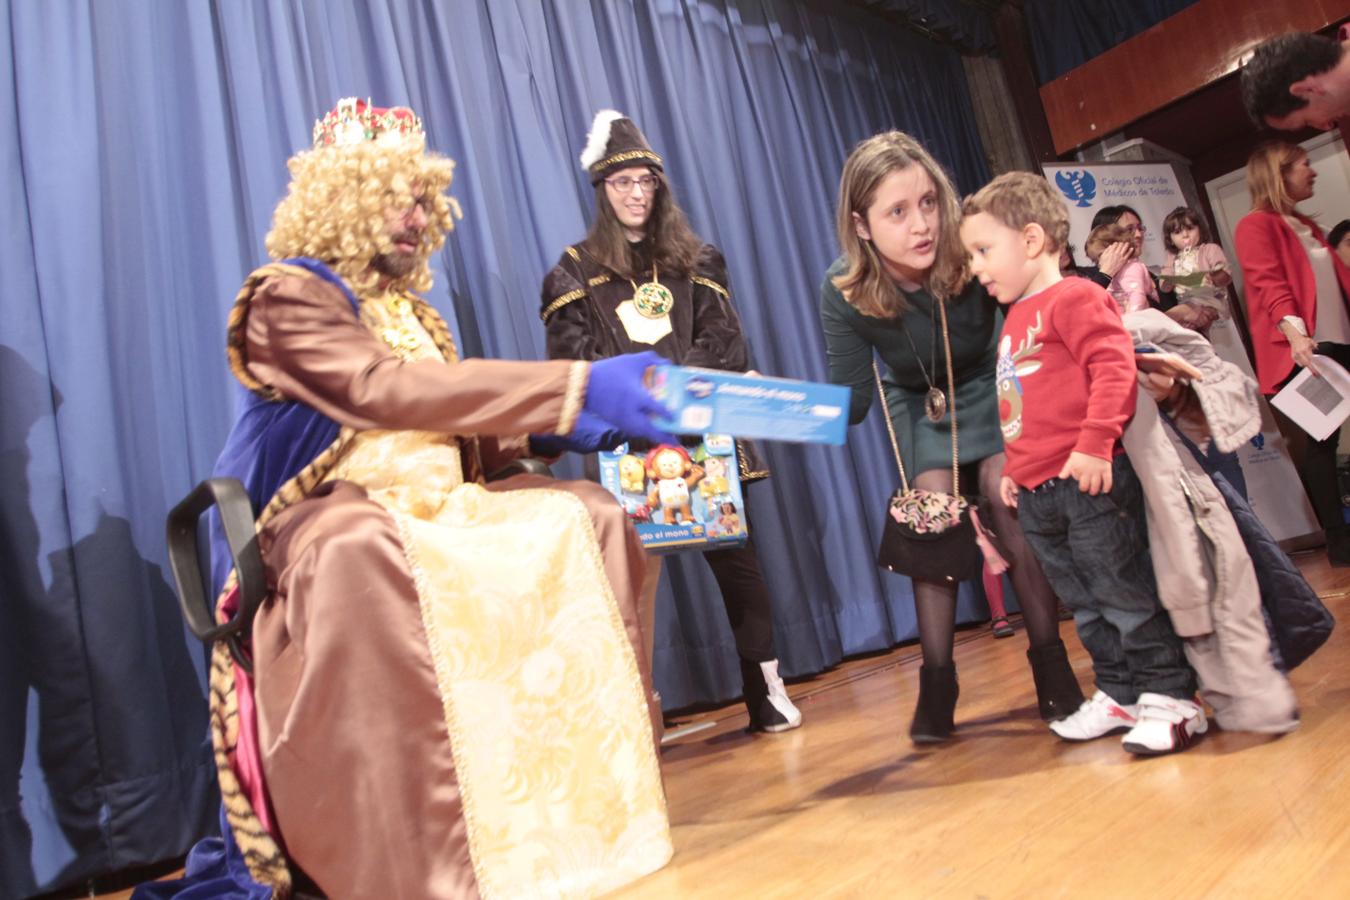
(897, 223)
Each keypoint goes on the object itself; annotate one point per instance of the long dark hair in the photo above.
(674, 246)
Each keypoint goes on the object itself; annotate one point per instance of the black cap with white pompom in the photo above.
(615, 142)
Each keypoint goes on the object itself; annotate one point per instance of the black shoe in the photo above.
(1057, 690)
(934, 714)
(1338, 545)
(1002, 627)
(766, 698)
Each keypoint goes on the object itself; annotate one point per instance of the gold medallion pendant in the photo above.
(653, 300)
(935, 404)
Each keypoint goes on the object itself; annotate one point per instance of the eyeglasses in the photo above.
(623, 184)
(1135, 229)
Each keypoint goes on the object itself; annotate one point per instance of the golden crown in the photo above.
(355, 121)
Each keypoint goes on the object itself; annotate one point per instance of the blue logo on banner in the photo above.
(1259, 441)
(1078, 187)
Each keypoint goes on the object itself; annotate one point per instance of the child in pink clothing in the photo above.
(1189, 250)
(1132, 287)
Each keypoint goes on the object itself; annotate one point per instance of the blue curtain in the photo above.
(145, 151)
(1068, 33)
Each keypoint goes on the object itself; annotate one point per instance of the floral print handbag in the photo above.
(932, 535)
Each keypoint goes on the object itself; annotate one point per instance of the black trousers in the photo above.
(745, 595)
(1317, 468)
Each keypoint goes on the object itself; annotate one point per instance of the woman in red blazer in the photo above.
(1296, 305)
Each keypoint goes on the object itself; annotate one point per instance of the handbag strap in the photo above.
(951, 401)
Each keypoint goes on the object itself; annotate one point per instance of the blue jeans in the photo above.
(1095, 552)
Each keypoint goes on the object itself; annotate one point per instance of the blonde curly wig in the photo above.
(334, 209)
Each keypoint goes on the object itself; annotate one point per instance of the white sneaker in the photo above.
(1166, 725)
(788, 716)
(1097, 717)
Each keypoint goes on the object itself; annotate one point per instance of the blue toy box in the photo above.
(751, 406)
(680, 498)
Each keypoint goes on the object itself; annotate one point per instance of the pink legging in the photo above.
(993, 591)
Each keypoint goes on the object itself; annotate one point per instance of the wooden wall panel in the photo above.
(1178, 56)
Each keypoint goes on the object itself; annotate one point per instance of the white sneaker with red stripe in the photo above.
(1166, 725)
(1097, 717)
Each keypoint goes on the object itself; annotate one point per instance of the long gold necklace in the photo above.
(652, 299)
(935, 401)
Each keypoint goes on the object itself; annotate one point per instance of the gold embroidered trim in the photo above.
(562, 301)
(578, 374)
(570, 508)
(572, 252)
(624, 157)
(742, 465)
(307, 479)
(236, 340)
(615, 617)
(440, 332)
(599, 280)
(441, 669)
(262, 855)
(709, 283)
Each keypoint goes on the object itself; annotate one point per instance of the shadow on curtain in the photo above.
(147, 151)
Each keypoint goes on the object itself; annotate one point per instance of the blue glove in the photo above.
(616, 394)
(589, 434)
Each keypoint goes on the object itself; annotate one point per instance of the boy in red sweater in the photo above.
(1066, 383)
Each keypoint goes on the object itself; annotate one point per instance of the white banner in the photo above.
(1151, 189)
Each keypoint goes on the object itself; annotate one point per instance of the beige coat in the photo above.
(1205, 576)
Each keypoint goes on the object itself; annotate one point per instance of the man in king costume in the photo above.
(449, 695)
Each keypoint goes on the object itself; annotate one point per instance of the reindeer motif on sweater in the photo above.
(1011, 367)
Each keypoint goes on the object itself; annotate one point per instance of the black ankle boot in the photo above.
(933, 716)
(1338, 545)
(1057, 690)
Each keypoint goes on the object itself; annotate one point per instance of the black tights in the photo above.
(935, 601)
(1316, 460)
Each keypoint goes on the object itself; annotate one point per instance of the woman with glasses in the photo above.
(643, 280)
(1118, 255)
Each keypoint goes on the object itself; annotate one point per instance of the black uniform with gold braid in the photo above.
(591, 311)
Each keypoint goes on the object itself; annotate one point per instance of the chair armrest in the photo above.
(236, 515)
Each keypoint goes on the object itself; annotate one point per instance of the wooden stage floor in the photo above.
(846, 807)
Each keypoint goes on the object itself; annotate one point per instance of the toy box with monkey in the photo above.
(680, 498)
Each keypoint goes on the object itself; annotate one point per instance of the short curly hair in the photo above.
(1017, 199)
(334, 209)
(1280, 62)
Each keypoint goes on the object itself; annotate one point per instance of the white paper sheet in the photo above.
(1318, 405)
